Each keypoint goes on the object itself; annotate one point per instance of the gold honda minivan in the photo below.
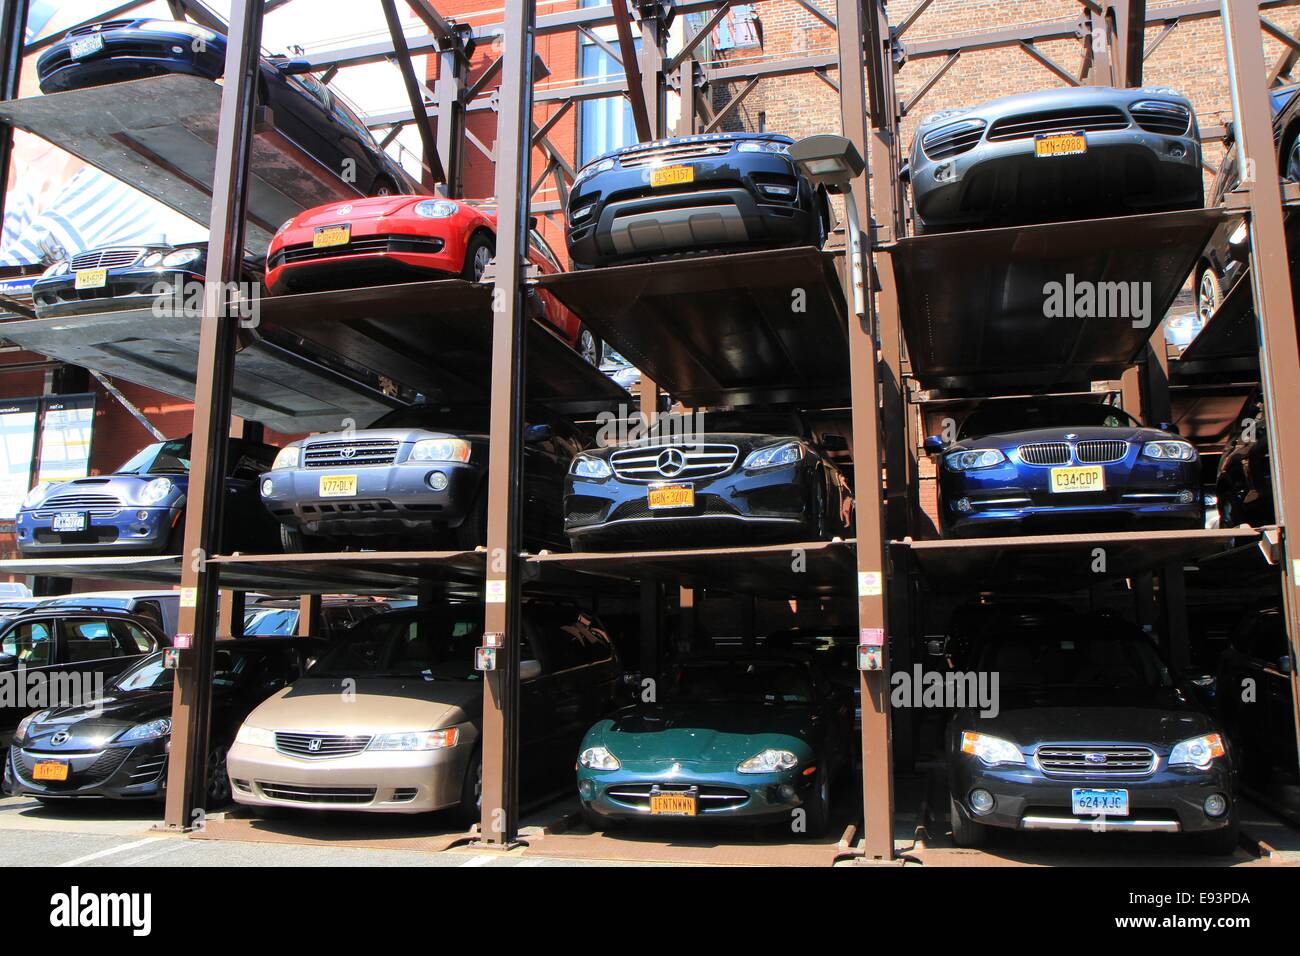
(388, 719)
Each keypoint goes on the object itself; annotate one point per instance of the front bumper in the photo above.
(1171, 801)
(118, 773)
(166, 291)
(1003, 183)
(129, 55)
(294, 266)
(768, 505)
(122, 532)
(373, 782)
(722, 794)
(390, 499)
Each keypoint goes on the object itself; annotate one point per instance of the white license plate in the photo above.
(1087, 802)
(86, 46)
(338, 486)
(69, 521)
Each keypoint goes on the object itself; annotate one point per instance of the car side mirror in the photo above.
(530, 670)
(1169, 427)
(538, 433)
(905, 173)
(1285, 664)
(835, 443)
(935, 444)
(1229, 133)
(936, 648)
(7, 661)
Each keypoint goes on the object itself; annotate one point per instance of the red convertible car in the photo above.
(389, 239)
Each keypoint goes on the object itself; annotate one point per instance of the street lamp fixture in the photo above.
(834, 162)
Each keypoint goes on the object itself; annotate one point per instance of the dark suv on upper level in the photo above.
(712, 192)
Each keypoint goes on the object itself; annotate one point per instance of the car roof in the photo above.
(76, 610)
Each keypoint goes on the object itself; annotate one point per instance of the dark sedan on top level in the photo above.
(1081, 152)
(693, 194)
(1064, 466)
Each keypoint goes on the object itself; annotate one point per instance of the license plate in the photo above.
(86, 46)
(672, 175)
(327, 236)
(671, 496)
(1051, 145)
(338, 486)
(1087, 478)
(50, 770)
(1091, 803)
(69, 521)
(672, 804)
(92, 278)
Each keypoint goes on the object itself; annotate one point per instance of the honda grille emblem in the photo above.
(670, 462)
(314, 745)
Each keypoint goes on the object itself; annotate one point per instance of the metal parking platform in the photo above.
(1230, 333)
(972, 303)
(159, 135)
(746, 328)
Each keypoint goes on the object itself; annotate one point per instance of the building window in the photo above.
(604, 124)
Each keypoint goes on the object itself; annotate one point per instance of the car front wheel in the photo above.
(966, 833)
(1209, 293)
(589, 346)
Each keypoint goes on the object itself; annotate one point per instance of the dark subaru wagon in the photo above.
(717, 191)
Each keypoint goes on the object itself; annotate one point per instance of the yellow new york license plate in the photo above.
(671, 496)
(92, 278)
(326, 236)
(1087, 478)
(50, 770)
(1060, 144)
(338, 486)
(673, 804)
(672, 175)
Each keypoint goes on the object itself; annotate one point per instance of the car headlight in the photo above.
(598, 758)
(284, 227)
(417, 740)
(942, 115)
(1240, 234)
(768, 761)
(1198, 752)
(587, 466)
(36, 495)
(58, 269)
(991, 750)
(1168, 450)
(440, 449)
(177, 26)
(775, 455)
(435, 209)
(181, 257)
(156, 490)
(149, 731)
(286, 457)
(762, 146)
(970, 460)
(254, 736)
(20, 733)
(151, 260)
(604, 166)
(1159, 91)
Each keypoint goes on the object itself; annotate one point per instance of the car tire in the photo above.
(469, 810)
(472, 531)
(588, 346)
(383, 186)
(1228, 516)
(217, 792)
(475, 261)
(817, 807)
(593, 820)
(1221, 842)
(293, 541)
(1209, 294)
(966, 833)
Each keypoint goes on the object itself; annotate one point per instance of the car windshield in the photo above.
(454, 420)
(426, 646)
(1020, 417)
(757, 423)
(760, 682)
(1045, 661)
(162, 458)
(229, 668)
(271, 621)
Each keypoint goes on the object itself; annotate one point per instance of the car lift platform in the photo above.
(436, 337)
(748, 327)
(972, 303)
(159, 135)
(1229, 334)
(273, 384)
(825, 568)
(1064, 561)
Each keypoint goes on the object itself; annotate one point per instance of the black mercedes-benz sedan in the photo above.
(116, 746)
(738, 477)
(1090, 732)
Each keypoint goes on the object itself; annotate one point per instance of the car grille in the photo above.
(301, 794)
(100, 506)
(320, 745)
(711, 798)
(1116, 761)
(673, 154)
(1045, 453)
(1169, 119)
(147, 770)
(105, 765)
(953, 140)
(369, 245)
(347, 454)
(97, 28)
(1101, 451)
(1088, 119)
(691, 462)
(107, 258)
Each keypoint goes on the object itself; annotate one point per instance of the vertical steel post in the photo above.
(632, 70)
(499, 819)
(309, 612)
(872, 558)
(1270, 274)
(192, 701)
(453, 68)
(13, 35)
(686, 90)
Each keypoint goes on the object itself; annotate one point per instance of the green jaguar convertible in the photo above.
(750, 739)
